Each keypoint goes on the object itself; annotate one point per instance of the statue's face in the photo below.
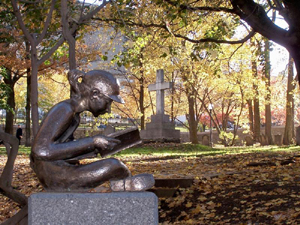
(98, 103)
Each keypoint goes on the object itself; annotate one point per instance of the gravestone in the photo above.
(278, 139)
(124, 208)
(249, 141)
(298, 135)
(263, 140)
(205, 140)
(160, 128)
(109, 129)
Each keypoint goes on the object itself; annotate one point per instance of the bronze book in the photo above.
(128, 137)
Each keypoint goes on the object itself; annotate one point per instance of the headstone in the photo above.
(298, 135)
(249, 141)
(205, 140)
(124, 208)
(160, 128)
(263, 140)
(108, 130)
(278, 139)
(166, 188)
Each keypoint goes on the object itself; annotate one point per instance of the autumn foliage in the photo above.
(255, 187)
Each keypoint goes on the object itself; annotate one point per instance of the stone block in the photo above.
(298, 135)
(157, 126)
(249, 141)
(278, 139)
(161, 118)
(124, 208)
(160, 129)
(163, 135)
(205, 140)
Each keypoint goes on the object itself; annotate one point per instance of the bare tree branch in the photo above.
(52, 50)
(47, 23)
(202, 40)
(200, 8)
(20, 21)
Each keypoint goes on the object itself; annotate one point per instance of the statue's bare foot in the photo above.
(140, 182)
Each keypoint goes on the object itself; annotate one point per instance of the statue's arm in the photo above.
(80, 147)
(67, 150)
(47, 145)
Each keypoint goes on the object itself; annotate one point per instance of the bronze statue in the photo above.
(52, 150)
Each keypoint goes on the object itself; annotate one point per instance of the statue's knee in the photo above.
(116, 162)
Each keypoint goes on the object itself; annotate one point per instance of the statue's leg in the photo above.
(140, 182)
(103, 170)
(66, 177)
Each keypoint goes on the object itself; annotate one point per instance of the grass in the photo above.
(22, 150)
(183, 150)
(189, 150)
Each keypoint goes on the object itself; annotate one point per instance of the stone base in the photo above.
(93, 208)
(160, 129)
(298, 135)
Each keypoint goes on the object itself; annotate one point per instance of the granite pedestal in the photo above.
(160, 129)
(93, 208)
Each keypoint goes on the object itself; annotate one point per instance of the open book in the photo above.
(128, 137)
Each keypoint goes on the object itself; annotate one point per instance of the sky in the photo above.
(279, 55)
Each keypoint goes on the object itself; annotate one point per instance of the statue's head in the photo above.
(97, 87)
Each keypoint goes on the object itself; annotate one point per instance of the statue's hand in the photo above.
(105, 143)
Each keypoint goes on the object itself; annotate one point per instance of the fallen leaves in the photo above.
(225, 189)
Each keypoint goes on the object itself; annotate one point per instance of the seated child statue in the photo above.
(52, 150)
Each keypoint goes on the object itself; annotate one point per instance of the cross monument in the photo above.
(160, 128)
(160, 86)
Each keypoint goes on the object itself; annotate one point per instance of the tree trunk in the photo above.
(256, 111)
(141, 103)
(268, 123)
(9, 120)
(192, 120)
(34, 91)
(289, 121)
(68, 34)
(27, 125)
(250, 108)
(172, 97)
(27, 107)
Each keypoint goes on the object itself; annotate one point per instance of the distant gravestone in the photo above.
(263, 140)
(160, 128)
(205, 140)
(298, 135)
(249, 141)
(278, 139)
(108, 130)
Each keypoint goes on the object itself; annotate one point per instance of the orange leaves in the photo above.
(225, 189)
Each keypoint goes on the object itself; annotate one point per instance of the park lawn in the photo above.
(182, 150)
(231, 185)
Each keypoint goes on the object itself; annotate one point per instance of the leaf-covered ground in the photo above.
(246, 188)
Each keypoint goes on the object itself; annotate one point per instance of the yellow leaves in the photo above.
(189, 205)
(171, 205)
(202, 198)
(287, 177)
(196, 210)
(236, 196)
(210, 215)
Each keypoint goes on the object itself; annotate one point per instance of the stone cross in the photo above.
(159, 87)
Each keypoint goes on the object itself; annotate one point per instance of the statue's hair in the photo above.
(75, 78)
(81, 83)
